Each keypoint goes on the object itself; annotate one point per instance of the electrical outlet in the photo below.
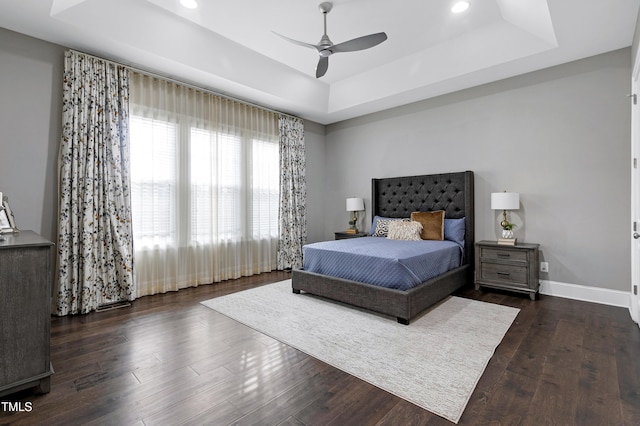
(544, 266)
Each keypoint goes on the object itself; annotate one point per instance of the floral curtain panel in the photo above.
(95, 245)
(293, 193)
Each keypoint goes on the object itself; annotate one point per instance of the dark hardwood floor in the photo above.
(167, 360)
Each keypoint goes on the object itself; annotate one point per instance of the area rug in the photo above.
(435, 362)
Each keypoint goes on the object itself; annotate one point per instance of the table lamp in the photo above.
(505, 201)
(354, 205)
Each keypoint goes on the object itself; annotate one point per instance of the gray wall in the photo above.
(314, 136)
(30, 124)
(560, 137)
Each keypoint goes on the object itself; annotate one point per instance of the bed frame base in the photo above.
(404, 305)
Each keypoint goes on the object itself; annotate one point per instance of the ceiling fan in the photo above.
(326, 47)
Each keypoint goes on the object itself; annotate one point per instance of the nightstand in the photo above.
(344, 235)
(513, 268)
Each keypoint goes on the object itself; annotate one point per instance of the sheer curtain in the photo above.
(205, 186)
(95, 251)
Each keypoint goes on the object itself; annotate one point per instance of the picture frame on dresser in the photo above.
(7, 220)
(4, 221)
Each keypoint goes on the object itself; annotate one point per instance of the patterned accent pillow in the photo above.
(400, 230)
(382, 225)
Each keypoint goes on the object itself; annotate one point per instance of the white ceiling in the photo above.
(228, 45)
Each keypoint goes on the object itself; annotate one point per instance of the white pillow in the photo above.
(405, 231)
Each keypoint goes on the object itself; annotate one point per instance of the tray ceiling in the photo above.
(229, 46)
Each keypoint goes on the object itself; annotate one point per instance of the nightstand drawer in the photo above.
(508, 274)
(503, 254)
(341, 235)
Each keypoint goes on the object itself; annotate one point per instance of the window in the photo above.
(218, 206)
(153, 181)
(208, 217)
(266, 183)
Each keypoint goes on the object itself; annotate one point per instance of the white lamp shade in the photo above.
(355, 204)
(505, 201)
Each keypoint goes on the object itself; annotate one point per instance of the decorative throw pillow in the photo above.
(380, 226)
(432, 224)
(400, 230)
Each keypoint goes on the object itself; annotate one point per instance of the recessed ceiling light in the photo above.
(189, 4)
(461, 6)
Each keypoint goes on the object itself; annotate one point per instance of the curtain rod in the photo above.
(189, 85)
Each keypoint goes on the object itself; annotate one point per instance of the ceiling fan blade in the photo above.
(323, 65)
(301, 43)
(359, 43)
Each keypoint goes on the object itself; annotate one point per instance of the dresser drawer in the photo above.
(507, 274)
(503, 254)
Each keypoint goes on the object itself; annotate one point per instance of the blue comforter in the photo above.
(380, 261)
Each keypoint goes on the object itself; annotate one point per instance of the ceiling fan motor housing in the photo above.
(324, 47)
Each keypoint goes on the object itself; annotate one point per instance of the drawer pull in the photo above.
(504, 255)
(505, 274)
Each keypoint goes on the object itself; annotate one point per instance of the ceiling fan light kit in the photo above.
(460, 7)
(189, 4)
(326, 47)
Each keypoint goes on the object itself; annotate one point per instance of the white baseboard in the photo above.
(603, 296)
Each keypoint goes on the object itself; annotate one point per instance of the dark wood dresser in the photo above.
(25, 312)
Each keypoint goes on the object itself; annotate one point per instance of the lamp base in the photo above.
(507, 241)
(353, 228)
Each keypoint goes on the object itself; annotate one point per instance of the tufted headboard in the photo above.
(451, 192)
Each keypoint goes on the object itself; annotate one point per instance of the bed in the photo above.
(398, 197)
